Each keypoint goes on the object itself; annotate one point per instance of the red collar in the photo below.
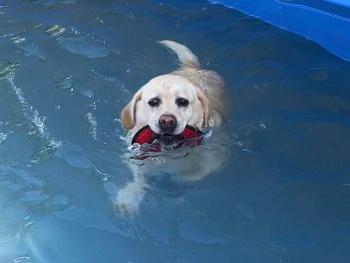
(147, 136)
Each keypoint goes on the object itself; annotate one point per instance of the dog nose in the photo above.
(167, 123)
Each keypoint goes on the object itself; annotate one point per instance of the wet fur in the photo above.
(209, 107)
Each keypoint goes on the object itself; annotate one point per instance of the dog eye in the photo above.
(154, 102)
(181, 102)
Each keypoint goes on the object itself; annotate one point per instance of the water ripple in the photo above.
(36, 121)
(55, 30)
(83, 47)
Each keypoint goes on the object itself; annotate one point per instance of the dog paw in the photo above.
(127, 208)
(128, 201)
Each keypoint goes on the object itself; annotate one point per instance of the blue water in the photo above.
(67, 69)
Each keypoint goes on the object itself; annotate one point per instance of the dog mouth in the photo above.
(168, 139)
(147, 136)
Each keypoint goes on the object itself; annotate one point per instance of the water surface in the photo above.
(67, 69)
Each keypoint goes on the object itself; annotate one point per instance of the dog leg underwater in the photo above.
(129, 198)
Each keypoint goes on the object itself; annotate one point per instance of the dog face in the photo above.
(167, 104)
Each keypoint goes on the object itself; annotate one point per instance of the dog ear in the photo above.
(207, 118)
(127, 116)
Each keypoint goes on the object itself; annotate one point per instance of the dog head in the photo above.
(167, 104)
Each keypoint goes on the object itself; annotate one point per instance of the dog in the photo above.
(168, 112)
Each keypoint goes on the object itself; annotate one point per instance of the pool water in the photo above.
(67, 67)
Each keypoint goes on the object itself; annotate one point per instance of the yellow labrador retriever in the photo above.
(168, 110)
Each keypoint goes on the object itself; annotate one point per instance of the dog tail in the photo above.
(184, 54)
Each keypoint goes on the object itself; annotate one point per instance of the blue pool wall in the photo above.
(325, 22)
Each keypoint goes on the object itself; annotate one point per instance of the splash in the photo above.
(45, 152)
(55, 30)
(7, 70)
(18, 39)
(36, 121)
(29, 112)
(91, 119)
(3, 136)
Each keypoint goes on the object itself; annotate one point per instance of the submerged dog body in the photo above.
(168, 105)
